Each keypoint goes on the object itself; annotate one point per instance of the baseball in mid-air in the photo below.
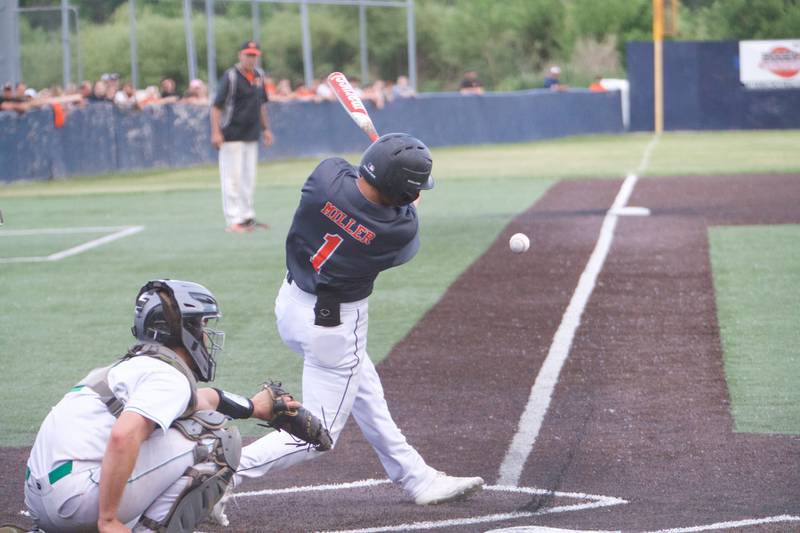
(519, 243)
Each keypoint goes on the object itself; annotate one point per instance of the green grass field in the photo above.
(756, 275)
(59, 319)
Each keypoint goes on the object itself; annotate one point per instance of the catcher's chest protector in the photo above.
(97, 380)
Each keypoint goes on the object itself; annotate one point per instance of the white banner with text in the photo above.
(769, 64)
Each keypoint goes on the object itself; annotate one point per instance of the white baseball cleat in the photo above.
(444, 489)
(217, 515)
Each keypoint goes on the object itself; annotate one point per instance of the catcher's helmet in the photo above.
(180, 313)
(399, 166)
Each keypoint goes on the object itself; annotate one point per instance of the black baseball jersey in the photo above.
(240, 101)
(339, 241)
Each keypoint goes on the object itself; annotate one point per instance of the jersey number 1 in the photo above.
(332, 242)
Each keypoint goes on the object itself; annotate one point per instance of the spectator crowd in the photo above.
(379, 93)
(111, 88)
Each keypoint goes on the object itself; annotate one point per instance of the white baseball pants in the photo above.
(237, 170)
(72, 503)
(339, 379)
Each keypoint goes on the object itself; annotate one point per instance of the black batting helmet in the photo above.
(399, 166)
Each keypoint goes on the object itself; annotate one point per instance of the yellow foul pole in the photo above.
(658, 64)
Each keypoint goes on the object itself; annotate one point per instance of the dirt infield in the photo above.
(639, 434)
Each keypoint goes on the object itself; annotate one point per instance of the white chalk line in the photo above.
(313, 488)
(374, 482)
(542, 391)
(628, 211)
(692, 529)
(594, 501)
(726, 525)
(58, 231)
(648, 152)
(438, 524)
(120, 233)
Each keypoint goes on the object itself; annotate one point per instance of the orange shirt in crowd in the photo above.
(303, 93)
(59, 115)
(597, 87)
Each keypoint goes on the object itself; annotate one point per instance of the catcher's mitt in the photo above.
(298, 422)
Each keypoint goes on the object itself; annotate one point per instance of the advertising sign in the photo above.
(769, 64)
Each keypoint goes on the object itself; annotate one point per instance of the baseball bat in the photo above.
(352, 103)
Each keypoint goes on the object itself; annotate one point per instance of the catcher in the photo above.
(137, 446)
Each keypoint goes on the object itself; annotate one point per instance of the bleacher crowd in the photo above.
(110, 88)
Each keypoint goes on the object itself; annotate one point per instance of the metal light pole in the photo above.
(9, 42)
(16, 64)
(211, 48)
(412, 44)
(78, 44)
(362, 40)
(187, 28)
(308, 65)
(134, 44)
(256, 20)
(65, 49)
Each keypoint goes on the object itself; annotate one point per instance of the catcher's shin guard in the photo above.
(196, 504)
(209, 478)
(207, 486)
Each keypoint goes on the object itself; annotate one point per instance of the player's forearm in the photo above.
(236, 406)
(264, 118)
(215, 116)
(227, 403)
(207, 399)
(122, 450)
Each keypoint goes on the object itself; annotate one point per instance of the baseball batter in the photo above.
(136, 445)
(351, 224)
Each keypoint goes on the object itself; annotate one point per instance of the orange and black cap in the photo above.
(251, 47)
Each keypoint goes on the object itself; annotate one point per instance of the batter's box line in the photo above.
(595, 501)
(118, 233)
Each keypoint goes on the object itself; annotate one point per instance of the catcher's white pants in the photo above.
(237, 171)
(72, 503)
(339, 379)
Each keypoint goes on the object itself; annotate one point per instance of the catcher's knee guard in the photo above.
(205, 426)
(217, 456)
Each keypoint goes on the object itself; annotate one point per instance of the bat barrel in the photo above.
(352, 103)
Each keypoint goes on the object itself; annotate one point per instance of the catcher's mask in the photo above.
(181, 313)
(399, 166)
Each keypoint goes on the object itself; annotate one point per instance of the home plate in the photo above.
(629, 211)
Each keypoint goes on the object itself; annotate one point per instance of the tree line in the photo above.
(510, 43)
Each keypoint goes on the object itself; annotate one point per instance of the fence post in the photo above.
(187, 28)
(66, 56)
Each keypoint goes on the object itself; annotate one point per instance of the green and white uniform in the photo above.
(63, 476)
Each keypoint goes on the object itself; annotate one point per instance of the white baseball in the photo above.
(519, 243)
